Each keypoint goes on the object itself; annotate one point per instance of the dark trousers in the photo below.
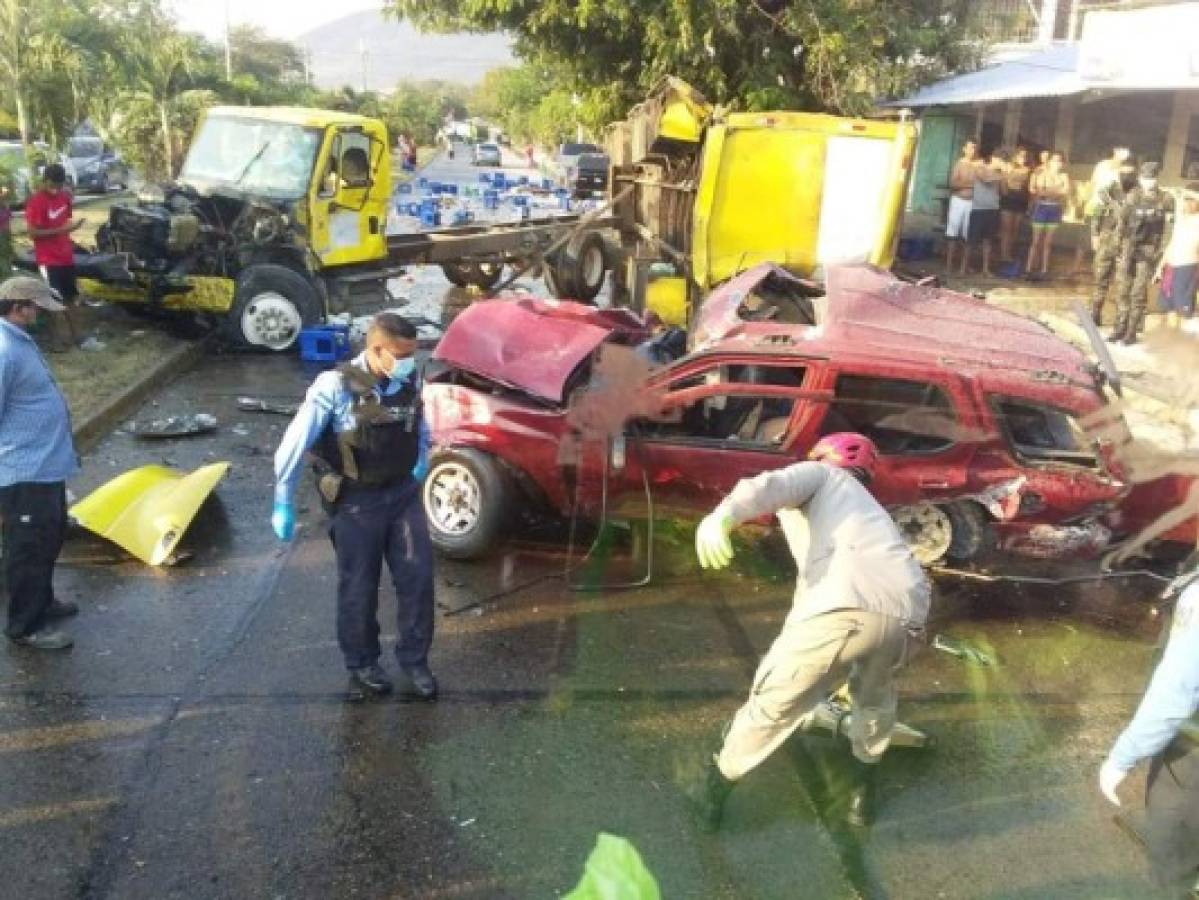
(35, 525)
(1132, 291)
(370, 525)
(1172, 829)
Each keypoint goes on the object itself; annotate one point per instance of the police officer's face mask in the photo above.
(402, 368)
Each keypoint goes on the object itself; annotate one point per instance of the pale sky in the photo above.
(280, 18)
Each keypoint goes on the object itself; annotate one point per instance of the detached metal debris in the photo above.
(146, 511)
(174, 426)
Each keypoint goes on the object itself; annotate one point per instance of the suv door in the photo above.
(723, 421)
(921, 425)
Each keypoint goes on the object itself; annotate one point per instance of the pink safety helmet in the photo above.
(847, 450)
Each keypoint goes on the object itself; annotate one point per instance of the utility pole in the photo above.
(228, 47)
(306, 55)
(364, 54)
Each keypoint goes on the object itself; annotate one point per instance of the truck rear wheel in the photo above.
(580, 268)
(271, 305)
(484, 275)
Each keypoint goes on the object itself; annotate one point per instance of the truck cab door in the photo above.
(349, 198)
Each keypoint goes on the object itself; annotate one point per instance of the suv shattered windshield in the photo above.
(268, 158)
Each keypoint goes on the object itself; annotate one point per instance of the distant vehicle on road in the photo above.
(27, 170)
(487, 155)
(567, 159)
(97, 167)
(590, 174)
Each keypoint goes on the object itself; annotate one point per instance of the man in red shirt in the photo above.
(48, 219)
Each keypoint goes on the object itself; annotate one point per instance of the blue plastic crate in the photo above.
(522, 179)
(422, 182)
(324, 343)
(520, 200)
(491, 199)
(546, 184)
(430, 218)
(498, 180)
(484, 178)
(462, 217)
(404, 188)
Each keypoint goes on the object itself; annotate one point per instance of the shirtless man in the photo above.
(961, 194)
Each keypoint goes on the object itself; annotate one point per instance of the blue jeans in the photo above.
(370, 525)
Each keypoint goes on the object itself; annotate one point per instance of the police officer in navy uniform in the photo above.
(363, 423)
(1145, 220)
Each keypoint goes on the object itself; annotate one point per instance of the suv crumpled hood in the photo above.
(530, 344)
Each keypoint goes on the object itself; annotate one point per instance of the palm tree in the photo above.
(160, 61)
(20, 22)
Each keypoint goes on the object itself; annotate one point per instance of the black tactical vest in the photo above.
(1147, 216)
(385, 444)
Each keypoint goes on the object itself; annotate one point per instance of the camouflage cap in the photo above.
(31, 290)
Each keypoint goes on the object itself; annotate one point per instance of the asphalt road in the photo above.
(194, 743)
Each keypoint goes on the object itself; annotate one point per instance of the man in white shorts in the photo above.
(961, 197)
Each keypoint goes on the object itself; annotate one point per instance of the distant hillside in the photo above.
(396, 51)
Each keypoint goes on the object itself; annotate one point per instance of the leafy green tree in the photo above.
(837, 55)
(160, 63)
(25, 25)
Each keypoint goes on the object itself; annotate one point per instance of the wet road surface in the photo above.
(194, 743)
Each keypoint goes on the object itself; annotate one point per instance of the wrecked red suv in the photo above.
(978, 412)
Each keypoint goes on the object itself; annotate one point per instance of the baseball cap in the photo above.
(31, 290)
(55, 174)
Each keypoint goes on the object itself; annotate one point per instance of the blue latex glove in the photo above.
(283, 520)
(420, 470)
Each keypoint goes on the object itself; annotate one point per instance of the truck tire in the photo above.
(455, 274)
(584, 266)
(484, 276)
(271, 304)
(467, 497)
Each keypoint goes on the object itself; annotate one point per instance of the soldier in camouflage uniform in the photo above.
(1144, 225)
(1105, 232)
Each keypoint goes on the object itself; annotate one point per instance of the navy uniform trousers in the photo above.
(371, 525)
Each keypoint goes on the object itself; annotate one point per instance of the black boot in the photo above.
(863, 795)
(368, 682)
(709, 805)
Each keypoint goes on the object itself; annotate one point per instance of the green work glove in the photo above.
(712, 544)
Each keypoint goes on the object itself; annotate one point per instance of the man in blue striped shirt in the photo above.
(1165, 731)
(37, 456)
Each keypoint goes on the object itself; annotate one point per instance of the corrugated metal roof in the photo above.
(1046, 73)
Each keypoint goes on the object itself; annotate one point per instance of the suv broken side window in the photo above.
(903, 417)
(1039, 433)
(732, 418)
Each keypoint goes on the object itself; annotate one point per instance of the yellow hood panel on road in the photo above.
(147, 510)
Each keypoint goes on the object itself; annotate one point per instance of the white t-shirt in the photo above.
(1183, 249)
